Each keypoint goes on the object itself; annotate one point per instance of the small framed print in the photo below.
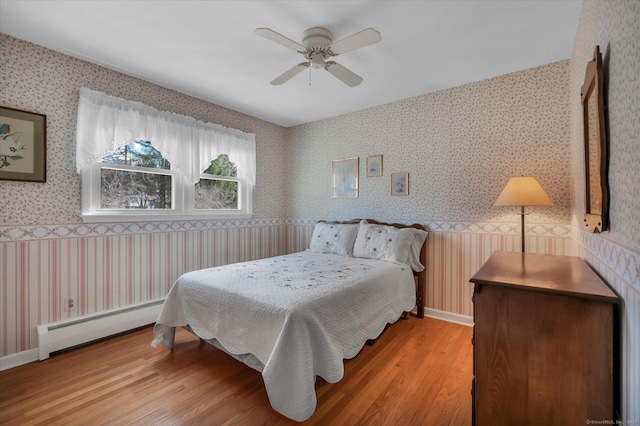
(399, 183)
(374, 165)
(344, 177)
(23, 145)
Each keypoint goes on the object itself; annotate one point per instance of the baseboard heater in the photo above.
(67, 334)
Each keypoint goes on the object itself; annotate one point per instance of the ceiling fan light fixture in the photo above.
(317, 61)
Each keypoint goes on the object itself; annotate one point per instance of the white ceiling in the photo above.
(208, 49)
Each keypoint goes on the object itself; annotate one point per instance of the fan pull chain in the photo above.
(309, 75)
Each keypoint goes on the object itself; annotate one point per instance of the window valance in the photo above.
(106, 122)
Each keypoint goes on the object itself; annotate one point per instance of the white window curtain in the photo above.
(106, 123)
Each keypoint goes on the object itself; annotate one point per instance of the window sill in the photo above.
(102, 218)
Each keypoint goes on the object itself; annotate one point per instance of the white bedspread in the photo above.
(300, 315)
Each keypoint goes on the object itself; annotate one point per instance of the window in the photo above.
(174, 168)
(137, 180)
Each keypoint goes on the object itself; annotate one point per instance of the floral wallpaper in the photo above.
(28, 72)
(460, 147)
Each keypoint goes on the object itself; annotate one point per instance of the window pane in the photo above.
(216, 194)
(124, 189)
(140, 154)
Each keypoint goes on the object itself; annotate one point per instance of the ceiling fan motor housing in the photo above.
(316, 38)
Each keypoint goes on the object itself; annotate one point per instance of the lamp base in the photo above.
(522, 226)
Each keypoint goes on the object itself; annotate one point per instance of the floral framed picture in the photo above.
(374, 165)
(399, 183)
(344, 177)
(23, 145)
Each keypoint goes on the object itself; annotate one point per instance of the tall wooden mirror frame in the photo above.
(596, 217)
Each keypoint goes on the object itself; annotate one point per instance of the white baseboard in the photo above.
(66, 334)
(448, 316)
(18, 359)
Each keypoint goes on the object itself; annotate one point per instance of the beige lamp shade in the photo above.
(523, 191)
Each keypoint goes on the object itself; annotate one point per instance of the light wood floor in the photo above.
(418, 373)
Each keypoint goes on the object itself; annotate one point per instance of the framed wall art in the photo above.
(344, 177)
(23, 145)
(374, 165)
(399, 183)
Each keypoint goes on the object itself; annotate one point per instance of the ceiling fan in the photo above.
(318, 46)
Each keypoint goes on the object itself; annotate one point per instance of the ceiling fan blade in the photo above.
(356, 41)
(269, 34)
(288, 75)
(348, 77)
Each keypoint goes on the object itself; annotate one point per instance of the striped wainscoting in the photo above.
(110, 266)
(125, 266)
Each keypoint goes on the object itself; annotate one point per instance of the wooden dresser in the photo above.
(543, 339)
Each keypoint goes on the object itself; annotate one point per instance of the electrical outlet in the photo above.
(69, 304)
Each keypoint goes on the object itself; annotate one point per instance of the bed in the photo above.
(298, 316)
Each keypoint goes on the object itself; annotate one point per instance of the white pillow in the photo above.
(383, 242)
(419, 236)
(334, 238)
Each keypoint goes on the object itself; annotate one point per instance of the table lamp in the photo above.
(523, 191)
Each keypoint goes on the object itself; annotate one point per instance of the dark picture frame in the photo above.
(23, 145)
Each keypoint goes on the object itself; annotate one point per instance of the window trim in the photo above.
(182, 199)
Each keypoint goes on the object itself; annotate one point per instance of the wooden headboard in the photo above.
(420, 277)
